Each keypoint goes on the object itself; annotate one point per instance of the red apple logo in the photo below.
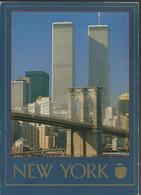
(120, 171)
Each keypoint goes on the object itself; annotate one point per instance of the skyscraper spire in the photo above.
(98, 18)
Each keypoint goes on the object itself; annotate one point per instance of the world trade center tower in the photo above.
(99, 69)
(62, 62)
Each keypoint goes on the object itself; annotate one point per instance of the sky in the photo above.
(32, 45)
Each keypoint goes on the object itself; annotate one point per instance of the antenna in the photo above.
(98, 18)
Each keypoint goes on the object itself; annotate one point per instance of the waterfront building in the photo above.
(123, 104)
(44, 105)
(19, 146)
(109, 118)
(30, 132)
(32, 107)
(45, 137)
(39, 136)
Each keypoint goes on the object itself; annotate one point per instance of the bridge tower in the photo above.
(85, 106)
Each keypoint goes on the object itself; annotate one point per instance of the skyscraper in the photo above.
(28, 87)
(123, 104)
(99, 69)
(62, 61)
(19, 98)
(19, 94)
(39, 84)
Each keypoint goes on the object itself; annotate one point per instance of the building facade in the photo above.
(99, 69)
(44, 105)
(62, 62)
(19, 94)
(27, 80)
(38, 136)
(39, 84)
(123, 104)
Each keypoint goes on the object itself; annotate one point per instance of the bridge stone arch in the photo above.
(76, 105)
(80, 142)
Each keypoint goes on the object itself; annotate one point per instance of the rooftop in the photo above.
(100, 25)
(124, 96)
(61, 23)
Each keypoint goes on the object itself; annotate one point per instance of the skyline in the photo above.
(32, 31)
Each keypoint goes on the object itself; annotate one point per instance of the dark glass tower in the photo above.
(39, 84)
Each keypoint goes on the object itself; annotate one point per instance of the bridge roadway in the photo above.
(65, 123)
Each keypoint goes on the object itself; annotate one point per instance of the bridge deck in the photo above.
(65, 123)
(47, 120)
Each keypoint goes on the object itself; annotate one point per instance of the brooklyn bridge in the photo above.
(84, 136)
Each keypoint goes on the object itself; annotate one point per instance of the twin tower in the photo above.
(63, 60)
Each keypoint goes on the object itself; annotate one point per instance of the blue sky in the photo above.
(31, 44)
